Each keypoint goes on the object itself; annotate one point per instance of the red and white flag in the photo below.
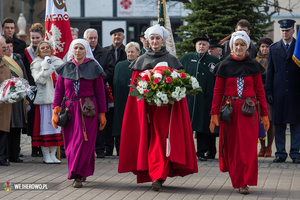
(57, 26)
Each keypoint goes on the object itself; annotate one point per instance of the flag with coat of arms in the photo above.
(164, 20)
(57, 26)
(296, 55)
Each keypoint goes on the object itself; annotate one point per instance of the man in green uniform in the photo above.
(144, 41)
(200, 65)
(215, 49)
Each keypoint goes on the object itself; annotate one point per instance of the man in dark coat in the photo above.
(242, 25)
(117, 49)
(215, 49)
(144, 41)
(282, 91)
(200, 65)
(8, 30)
(106, 60)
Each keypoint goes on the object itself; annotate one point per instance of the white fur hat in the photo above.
(239, 35)
(157, 29)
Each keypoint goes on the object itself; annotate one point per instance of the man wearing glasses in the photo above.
(242, 25)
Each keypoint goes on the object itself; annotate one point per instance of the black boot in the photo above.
(34, 151)
(40, 153)
(62, 152)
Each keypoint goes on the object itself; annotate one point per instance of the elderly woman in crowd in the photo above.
(79, 81)
(262, 58)
(43, 72)
(18, 114)
(143, 140)
(5, 109)
(238, 79)
(122, 76)
(36, 36)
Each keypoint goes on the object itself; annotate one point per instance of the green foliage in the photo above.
(217, 19)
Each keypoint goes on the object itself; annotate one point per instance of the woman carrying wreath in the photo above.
(146, 127)
(80, 79)
(239, 78)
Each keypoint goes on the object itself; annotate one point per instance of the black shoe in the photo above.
(4, 163)
(101, 155)
(156, 185)
(296, 160)
(278, 160)
(108, 153)
(34, 151)
(18, 160)
(202, 158)
(21, 155)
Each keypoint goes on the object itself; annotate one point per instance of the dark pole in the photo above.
(82, 8)
(31, 3)
(115, 8)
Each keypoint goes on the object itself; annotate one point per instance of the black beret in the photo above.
(116, 30)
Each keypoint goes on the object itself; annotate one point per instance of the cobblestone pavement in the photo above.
(275, 181)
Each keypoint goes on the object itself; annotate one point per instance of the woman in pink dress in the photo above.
(80, 78)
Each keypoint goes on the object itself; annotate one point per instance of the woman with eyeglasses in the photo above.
(43, 72)
(36, 36)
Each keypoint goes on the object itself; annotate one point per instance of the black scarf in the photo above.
(237, 68)
(88, 70)
(151, 58)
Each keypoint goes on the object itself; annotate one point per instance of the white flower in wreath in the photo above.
(11, 101)
(18, 84)
(140, 89)
(174, 94)
(144, 84)
(166, 101)
(178, 98)
(159, 94)
(182, 94)
(174, 74)
(13, 96)
(164, 97)
(183, 89)
(195, 85)
(177, 89)
(157, 102)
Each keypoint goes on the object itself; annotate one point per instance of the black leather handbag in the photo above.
(64, 116)
(226, 112)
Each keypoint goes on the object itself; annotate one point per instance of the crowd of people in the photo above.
(242, 89)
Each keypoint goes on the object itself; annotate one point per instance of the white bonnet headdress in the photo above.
(157, 29)
(239, 35)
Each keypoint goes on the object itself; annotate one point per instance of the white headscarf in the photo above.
(157, 29)
(239, 35)
(89, 53)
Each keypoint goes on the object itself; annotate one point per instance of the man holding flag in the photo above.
(282, 91)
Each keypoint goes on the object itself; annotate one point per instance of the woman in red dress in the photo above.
(145, 128)
(238, 78)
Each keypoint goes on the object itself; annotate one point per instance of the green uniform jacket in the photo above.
(143, 50)
(121, 81)
(200, 105)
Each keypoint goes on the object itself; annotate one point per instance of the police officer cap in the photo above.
(286, 24)
(116, 30)
(201, 37)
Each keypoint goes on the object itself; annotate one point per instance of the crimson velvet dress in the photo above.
(143, 144)
(79, 153)
(240, 150)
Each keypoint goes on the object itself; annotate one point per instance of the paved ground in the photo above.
(275, 181)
